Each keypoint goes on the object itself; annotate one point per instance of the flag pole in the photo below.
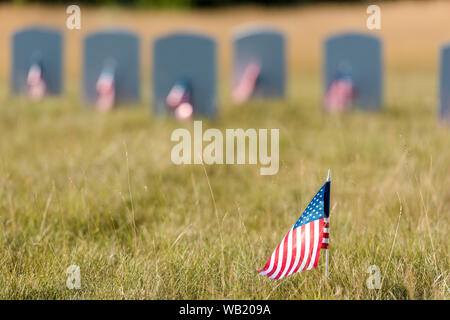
(327, 220)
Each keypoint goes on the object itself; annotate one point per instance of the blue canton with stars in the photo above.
(314, 210)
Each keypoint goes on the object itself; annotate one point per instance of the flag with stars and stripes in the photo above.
(300, 248)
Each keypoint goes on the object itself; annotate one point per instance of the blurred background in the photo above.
(412, 31)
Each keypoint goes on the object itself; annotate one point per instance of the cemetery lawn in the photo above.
(99, 191)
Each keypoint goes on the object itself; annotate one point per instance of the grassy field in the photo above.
(100, 190)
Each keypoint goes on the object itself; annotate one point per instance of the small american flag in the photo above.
(106, 90)
(300, 248)
(244, 89)
(179, 94)
(340, 94)
(35, 82)
(179, 101)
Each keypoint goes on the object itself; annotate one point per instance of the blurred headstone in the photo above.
(184, 75)
(258, 63)
(353, 70)
(111, 73)
(444, 90)
(37, 62)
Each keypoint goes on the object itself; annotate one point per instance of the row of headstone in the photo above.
(184, 72)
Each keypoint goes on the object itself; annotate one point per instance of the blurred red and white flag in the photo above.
(35, 83)
(340, 95)
(300, 248)
(179, 102)
(106, 91)
(246, 85)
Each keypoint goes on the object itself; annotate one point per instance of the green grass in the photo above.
(100, 191)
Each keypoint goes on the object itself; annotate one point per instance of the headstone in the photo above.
(359, 57)
(444, 91)
(112, 53)
(40, 47)
(185, 60)
(258, 51)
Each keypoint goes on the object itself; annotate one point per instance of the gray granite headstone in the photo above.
(189, 58)
(118, 49)
(41, 46)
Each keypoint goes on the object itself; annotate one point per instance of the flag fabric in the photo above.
(340, 94)
(35, 82)
(177, 95)
(326, 233)
(106, 90)
(184, 111)
(300, 248)
(179, 101)
(247, 83)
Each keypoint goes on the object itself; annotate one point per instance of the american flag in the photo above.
(106, 90)
(177, 95)
(340, 94)
(244, 89)
(300, 248)
(35, 82)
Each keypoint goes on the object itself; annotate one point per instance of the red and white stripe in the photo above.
(106, 91)
(36, 84)
(299, 250)
(326, 233)
(179, 102)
